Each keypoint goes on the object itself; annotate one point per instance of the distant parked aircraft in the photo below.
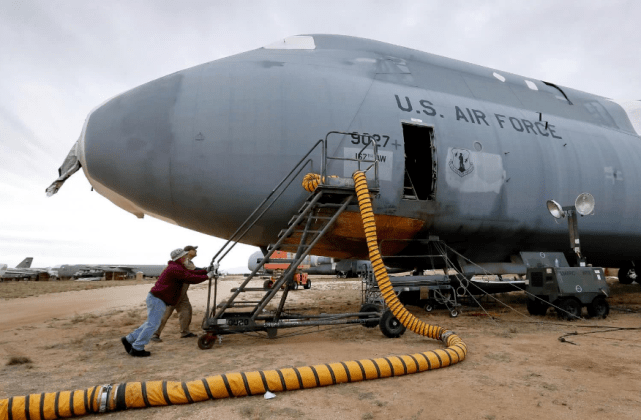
(99, 270)
(25, 271)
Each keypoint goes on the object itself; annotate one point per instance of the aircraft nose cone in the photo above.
(128, 144)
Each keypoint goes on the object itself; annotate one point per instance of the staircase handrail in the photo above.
(235, 236)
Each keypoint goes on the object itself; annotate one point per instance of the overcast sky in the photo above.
(60, 59)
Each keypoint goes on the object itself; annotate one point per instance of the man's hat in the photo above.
(190, 248)
(177, 253)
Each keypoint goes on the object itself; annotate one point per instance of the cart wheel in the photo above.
(390, 326)
(536, 307)
(570, 309)
(308, 285)
(599, 308)
(206, 341)
(454, 313)
(429, 306)
(370, 307)
(267, 284)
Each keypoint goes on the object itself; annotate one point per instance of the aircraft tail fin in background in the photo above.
(3, 268)
(26, 263)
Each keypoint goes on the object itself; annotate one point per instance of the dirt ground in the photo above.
(516, 368)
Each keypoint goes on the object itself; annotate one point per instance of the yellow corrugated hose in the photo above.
(106, 398)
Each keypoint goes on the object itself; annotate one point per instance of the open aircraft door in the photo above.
(421, 167)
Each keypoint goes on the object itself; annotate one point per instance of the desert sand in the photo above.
(516, 368)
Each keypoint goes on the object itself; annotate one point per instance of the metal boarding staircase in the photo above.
(304, 230)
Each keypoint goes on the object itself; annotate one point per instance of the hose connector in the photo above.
(446, 335)
(104, 398)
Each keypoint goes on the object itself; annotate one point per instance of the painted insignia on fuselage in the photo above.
(460, 162)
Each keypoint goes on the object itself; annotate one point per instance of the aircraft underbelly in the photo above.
(346, 238)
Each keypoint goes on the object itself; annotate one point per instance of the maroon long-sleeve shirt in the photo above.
(170, 282)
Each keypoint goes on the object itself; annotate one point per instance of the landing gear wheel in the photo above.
(206, 341)
(570, 309)
(429, 306)
(599, 308)
(370, 307)
(267, 284)
(390, 326)
(627, 274)
(308, 285)
(536, 307)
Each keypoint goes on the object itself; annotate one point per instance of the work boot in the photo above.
(126, 343)
(189, 335)
(139, 353)
(155, 339)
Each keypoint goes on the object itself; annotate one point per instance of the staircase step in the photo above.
(303, 207)
(251, 289)
(328, 205)
(282, 232)
(240, 304)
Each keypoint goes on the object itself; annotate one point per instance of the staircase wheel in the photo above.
(390, 326)
(206, 341)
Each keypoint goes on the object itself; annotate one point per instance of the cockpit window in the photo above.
(297, 42)
(633, 110)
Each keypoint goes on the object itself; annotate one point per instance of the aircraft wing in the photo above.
(116, 268)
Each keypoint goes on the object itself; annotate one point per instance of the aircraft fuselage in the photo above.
(466, 153)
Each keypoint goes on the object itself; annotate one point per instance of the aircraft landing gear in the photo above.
(628, 274)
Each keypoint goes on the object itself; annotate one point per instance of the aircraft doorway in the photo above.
(420, 163)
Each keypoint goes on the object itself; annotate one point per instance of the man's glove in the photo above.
(213, 272)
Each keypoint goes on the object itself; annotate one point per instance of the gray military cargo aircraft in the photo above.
(466, 153)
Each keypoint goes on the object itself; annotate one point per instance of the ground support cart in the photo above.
(428, 292)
